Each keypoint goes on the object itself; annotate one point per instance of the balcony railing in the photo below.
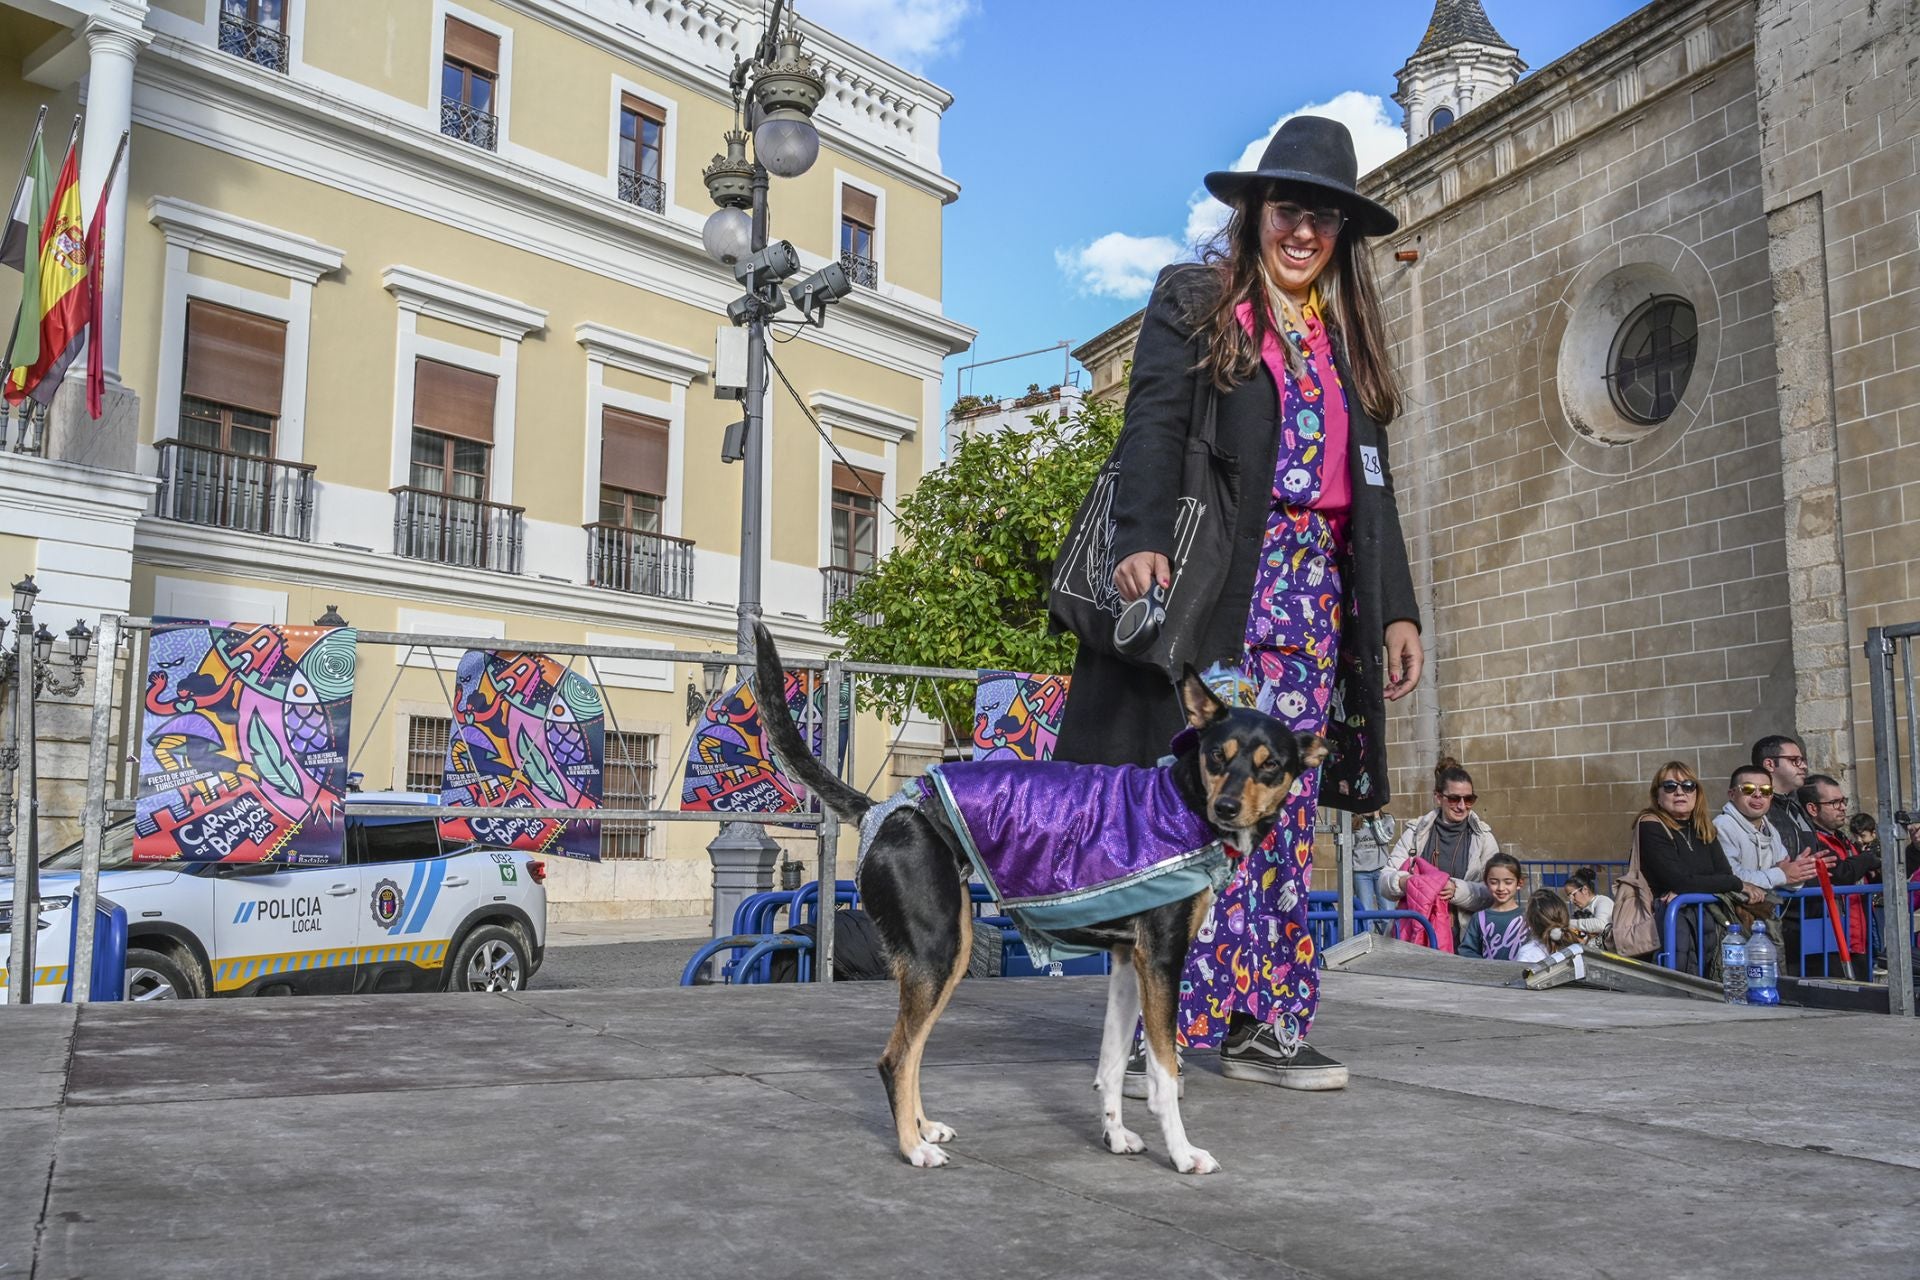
(463, 532)
(23, 427)
(236, 491)
(644, 190)
(468, 124)
(837, 584)
(647, 564)
(862, 271)
(259, 44)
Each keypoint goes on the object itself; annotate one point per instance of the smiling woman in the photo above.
(1276, 339)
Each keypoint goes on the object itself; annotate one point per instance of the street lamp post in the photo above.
(29, 667)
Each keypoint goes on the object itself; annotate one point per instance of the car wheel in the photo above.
(491, 958)
(154, 975)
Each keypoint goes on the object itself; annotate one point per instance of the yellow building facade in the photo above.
(412, 298)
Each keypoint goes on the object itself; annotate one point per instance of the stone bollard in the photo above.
(743, 857)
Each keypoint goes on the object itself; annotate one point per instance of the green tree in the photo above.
(966, 585)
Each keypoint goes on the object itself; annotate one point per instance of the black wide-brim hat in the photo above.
(1313, 151)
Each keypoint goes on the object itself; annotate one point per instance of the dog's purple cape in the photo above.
(1062, 846)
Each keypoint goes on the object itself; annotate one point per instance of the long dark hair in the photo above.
(1346, 287)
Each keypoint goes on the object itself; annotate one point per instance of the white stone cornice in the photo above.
(462, 304)
(252, 244)
(645, 356)
(836, 410)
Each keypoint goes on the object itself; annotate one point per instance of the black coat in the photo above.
(1121, 713)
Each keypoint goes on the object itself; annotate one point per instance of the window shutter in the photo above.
(469, 44)
(644, 109)
(235, 358)
(858, 206)
(847, 479)
(453, 401)
(633, 452)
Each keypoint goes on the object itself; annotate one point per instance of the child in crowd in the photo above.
(1592, 910)
(1548, 927)
(1497, 932)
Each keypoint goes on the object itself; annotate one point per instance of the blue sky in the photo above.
(1081, 129)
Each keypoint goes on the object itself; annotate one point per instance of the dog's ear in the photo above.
(1313, 749)
(1201, 706)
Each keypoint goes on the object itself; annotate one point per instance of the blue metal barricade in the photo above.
(1323, 920)
(1805, 909)
(109, 978)
(1552, 874)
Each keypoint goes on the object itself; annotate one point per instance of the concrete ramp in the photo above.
(1577, 966)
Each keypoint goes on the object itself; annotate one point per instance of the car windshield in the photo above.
(116, 854)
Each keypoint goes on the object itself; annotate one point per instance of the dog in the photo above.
(1233, 771)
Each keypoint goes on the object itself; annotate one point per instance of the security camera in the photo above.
(769, 266)
(826, 285)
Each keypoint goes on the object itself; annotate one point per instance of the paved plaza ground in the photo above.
(723, 1132)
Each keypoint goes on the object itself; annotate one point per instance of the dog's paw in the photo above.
(1123, 1141)
(934, 1131)
(1196, 1161)
(926, 1156)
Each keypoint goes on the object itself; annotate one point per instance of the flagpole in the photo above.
(32, 261)
(26, 161)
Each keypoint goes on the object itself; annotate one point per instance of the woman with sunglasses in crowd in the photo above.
(1680, 852)
(1453, 838)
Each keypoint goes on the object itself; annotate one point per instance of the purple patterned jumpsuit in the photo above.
(1254, 954)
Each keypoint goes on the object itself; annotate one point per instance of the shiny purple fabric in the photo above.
(1043, 830)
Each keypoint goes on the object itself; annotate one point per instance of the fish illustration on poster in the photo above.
(243, 739)
(730, 768)
(527, 733)
(1016, 716)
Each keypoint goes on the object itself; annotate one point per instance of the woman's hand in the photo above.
(1447, 889)
(1139, 571)
(1405, 658)
(1754, 894)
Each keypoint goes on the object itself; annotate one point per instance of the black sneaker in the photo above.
(1135, 1083)
(1258, 1051)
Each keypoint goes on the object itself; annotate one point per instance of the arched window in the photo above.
(1439, 120)
(1653, 359)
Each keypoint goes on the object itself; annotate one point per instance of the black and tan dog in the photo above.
(913, 882)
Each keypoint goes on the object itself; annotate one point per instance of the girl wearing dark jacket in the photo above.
(1680, 853)
(1316, 623)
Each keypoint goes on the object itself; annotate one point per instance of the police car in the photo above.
(400, 915)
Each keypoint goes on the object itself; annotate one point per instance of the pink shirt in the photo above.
(1336, 484)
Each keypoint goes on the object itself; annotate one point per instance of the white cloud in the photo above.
(1118, 265)
(908, 32)
(1376, 140)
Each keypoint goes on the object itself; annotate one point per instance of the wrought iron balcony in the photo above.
(644, 190)
(468, 124)
(463, 532)
(23, 427)
(223, 490)
(837, 583)
(647, 564)
(256, 42)
(862, 271)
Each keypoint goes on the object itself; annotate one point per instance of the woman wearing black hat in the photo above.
(1317, 622)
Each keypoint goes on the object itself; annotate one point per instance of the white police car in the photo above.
(400, 915)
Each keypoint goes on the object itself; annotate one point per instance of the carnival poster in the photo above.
(243, 744)
(730, 768)
(527, 734)
(1017, 716)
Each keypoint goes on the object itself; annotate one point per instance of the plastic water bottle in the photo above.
(1763, 968)
(1733, 966)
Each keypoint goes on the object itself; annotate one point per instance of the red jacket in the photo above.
(1851, 865)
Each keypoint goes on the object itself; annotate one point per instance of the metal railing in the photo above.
(647, 564)
(468, 124)
(262, 45)
(644, 190)
(464, 532)
(862, 271)
(837, 583)
(1896, 737)
(23, 427)
(227, 490)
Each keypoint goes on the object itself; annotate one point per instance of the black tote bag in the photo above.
(1084, 600)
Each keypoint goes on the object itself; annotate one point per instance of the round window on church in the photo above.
(1439, 120)
(1652, 359)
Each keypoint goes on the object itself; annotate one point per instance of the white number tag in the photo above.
(1370, 464)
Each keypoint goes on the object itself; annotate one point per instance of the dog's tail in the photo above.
(770, 693)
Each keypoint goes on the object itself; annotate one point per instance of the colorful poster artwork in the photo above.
(527, 734)
(1017, 716)
(729, 766)
(243, 744)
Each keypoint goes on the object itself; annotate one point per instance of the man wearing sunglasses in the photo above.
(1786, 764)
(1753, 846)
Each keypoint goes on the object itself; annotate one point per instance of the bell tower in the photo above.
(1460, 63)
